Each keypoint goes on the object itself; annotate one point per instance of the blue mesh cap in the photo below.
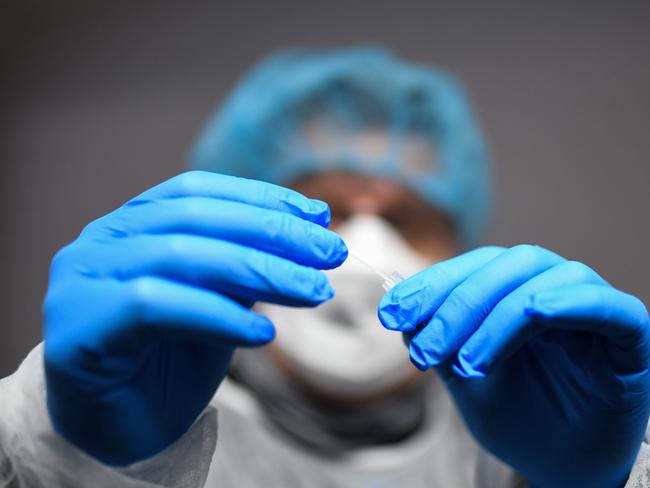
(299, 112)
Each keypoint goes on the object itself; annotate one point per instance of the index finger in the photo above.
(236, 189)
(415, 300)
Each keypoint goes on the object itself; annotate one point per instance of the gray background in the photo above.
(100, 100)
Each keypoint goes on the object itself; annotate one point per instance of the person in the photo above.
(494, 366)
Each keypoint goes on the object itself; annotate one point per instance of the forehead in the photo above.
(369, 149)
(346, 184)
(348, 189)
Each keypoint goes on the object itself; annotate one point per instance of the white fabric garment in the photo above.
(248, 453)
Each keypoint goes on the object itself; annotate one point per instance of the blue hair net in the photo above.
(299, 112)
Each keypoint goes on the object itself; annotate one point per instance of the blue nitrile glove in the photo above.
(547, 362)
(145, 308)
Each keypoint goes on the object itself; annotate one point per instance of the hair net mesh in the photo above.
(299, 112)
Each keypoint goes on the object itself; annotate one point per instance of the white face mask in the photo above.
(340, 347)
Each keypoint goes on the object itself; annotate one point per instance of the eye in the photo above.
(400, 217)
(419, 226)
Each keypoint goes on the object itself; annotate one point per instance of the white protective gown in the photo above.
(248, 452)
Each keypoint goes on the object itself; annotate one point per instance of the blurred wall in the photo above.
(100, 100)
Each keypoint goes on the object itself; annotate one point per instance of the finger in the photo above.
(231, 269)
(180, 309)
(169, 307)
(603, 310)
(276, 232)
(252, 192)
(465, 308)
(145, 305)
(414, 300)
(507, 326)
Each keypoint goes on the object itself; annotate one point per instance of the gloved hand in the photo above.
(546, 361)
(145, 308)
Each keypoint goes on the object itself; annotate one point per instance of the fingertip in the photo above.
(389, 316)
(386, 311)
(262, 330)
(463, 368)
(321, 212)
(385, 320)
(311, 286)
(302, 206)
(404, 302)
(387, 301)
(323, 290)
(428, 347)
(318, 206)
(417, 357)
(308, 288)
(328, 294)
(326, 248)
(341, 253)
